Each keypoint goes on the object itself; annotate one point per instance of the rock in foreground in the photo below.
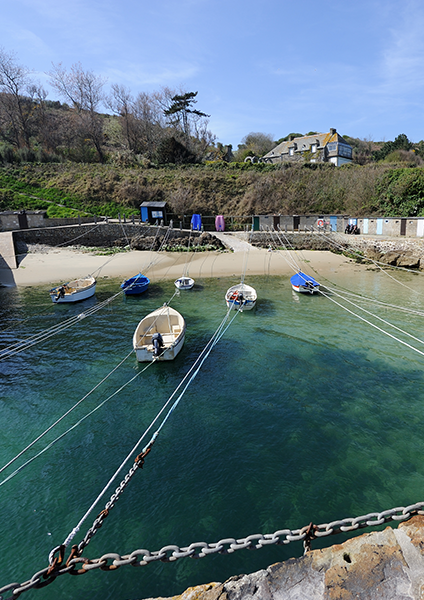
(383, 565)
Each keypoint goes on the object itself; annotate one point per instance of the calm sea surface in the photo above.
(301, 413)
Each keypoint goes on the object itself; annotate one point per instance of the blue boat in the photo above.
(305, 284)
(135, 285)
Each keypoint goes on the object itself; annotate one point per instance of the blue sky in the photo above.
(271, 67)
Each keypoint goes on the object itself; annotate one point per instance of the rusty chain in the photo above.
(78, 565)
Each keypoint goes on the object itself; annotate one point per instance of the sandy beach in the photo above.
(51, 266)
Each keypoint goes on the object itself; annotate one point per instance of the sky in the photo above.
(272, 67)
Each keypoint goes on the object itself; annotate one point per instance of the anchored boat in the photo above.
(135, 285)
(74, 291)
(160, 335)
(304, 284)
(241, 296)
(184, 283)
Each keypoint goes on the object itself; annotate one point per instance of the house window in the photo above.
(313, 147)
(291, 151)
(345, 151)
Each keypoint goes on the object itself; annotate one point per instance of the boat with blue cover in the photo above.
(304, 284)
(135, 285)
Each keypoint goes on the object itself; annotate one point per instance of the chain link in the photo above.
(170, 553)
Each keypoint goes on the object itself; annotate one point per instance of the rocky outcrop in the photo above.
(399, 252)
(383, 565)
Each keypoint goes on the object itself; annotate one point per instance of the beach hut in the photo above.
(153, 212)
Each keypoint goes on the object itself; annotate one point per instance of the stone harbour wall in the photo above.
(401, 252)
(109, 235)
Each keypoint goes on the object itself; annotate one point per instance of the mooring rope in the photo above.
(360, 298)
(51, 331)
(47, 333)
(376, 263)
(372, 324)
(69, 411)
(74, 426)
(379, 318)
(41, 435)
(190, 376)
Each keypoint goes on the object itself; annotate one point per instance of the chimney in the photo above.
(333, 131)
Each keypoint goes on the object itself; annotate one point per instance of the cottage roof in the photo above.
(305, 142)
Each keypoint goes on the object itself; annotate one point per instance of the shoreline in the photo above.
(53, 265)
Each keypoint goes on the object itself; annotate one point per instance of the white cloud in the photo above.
(157, 74)
(403, 58)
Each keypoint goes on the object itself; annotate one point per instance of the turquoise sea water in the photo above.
(301, 413)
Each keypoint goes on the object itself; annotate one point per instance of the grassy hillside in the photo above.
(216, 188)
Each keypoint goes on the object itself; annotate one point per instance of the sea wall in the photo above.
(401, 252)
(383, 565)
(405, 252)
(100, 234)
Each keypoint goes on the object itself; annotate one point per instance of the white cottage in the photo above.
(317, 148)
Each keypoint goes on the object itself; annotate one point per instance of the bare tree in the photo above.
(141, 119)
(149, 116)
(84, 90)
(17, 94)
(121, 103)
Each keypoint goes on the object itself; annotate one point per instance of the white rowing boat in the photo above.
(74, 291)
(160, 335)
(241, 296)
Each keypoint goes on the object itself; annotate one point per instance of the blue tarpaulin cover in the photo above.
(196, 222)
(300, 279)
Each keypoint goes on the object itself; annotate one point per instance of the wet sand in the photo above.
(52, 266)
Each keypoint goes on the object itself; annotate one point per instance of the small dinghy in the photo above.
(184, 283)
(135, 285)
(74, 291)
(241, 297)
(160, 335)
(304, 284)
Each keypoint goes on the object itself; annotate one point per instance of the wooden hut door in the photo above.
(22, 220)
(403, 227)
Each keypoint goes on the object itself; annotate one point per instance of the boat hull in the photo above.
(73, 291)
(136, 291)
(304, 290)
(169, 353)
(184, 283)
(171, 326)
(135, 285)
(249, 297)
(304, 284)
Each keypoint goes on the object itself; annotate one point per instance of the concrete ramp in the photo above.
(7, 251)
(233, 241)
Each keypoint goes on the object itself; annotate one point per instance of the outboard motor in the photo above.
(60, 293)
(157, 342)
